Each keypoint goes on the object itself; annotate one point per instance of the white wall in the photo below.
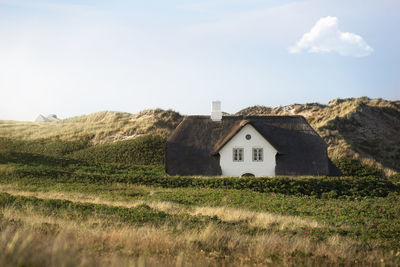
(264, 168)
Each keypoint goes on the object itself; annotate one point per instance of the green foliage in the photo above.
(56, 207)
(321, 187)
(365, 218)
(353, 167)
(317, 186)
(395, 178)
(139, 215)
(145, 150)
(371, 218)
(45, 147)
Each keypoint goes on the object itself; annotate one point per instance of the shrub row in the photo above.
(316, 186)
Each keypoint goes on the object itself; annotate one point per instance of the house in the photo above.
(246, 145)
(49, 118)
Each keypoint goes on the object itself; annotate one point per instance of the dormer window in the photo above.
(258, 154)
(237, 154)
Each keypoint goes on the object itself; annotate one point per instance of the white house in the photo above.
(246, 145)
(49, 118)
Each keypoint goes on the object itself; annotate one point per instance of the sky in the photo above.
(81, 56)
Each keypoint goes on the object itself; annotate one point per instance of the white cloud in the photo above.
(326, 37)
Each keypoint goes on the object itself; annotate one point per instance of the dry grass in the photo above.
(101, 127)
(254, 219)
(28, 237)
(257, 219)
(49, 241)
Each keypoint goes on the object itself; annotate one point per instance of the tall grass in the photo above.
(101, 127)
(29, 237)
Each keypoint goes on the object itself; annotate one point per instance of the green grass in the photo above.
(363, 220)
(144, 150)
(321, 187)
(370, 218)
(122, 189)
(147, 150)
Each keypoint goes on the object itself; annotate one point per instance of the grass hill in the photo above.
(92, 191)
(358, 128)
(98, 128)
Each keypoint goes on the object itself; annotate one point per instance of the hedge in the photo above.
(317, 186)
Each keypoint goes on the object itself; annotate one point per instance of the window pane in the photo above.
(257, 154)
(237, 154)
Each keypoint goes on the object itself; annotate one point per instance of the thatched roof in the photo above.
(193, 147)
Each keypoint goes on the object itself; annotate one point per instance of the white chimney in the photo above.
(216, 113)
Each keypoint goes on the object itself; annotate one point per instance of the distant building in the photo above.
(49, 118)
(247, 145)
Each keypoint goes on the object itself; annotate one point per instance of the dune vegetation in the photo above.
(358, 128)
(92, 191)
(97, 128)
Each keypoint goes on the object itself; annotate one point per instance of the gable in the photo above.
(238, 139)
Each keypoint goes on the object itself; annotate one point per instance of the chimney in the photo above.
(216, 113)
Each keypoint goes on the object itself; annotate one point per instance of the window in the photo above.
(238, 154)
(248, 136)
(258, 154)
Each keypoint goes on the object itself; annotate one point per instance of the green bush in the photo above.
(312, 186)
(145, 150)
(353, 167)
(395, 178)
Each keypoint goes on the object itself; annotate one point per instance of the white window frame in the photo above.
(240, 151)
(257, 154)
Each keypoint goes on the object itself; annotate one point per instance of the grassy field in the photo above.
(65, 202)
(59, 212)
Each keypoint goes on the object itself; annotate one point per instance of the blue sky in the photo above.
(77, 57)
